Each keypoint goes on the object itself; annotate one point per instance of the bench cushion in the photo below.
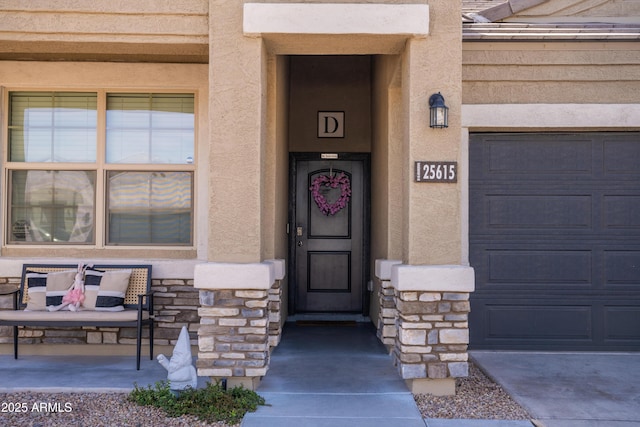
(71, 316)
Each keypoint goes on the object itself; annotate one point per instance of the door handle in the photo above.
(299, 233)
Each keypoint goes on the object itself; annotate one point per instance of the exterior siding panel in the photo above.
(524, 73)
(105, 30)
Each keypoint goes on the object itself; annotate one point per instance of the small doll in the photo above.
(74, 297)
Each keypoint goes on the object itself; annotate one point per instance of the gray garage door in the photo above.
(555, 241)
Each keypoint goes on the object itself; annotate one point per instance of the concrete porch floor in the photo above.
(58, 374)
(323, 375)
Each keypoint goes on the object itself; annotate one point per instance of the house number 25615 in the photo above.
(436, 171)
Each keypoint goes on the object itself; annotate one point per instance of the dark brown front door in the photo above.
(328, 248)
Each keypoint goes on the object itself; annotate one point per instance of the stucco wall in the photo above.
(432, 211)
(330, 83)
(237, 103)
(586, 72)
(151, 30)
(276, 161)
(276, 169)
(386, 157)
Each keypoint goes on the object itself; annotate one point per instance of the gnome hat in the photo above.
(182, 351)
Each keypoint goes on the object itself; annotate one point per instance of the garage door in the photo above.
(555, 241)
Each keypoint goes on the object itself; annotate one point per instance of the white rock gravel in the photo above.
(477, 397)
(85, 410)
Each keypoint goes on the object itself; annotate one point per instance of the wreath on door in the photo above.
(331, 181)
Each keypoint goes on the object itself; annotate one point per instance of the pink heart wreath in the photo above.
(333, 182)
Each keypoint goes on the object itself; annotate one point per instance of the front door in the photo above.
(329, 212)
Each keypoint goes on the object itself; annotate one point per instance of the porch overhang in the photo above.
(335, 18)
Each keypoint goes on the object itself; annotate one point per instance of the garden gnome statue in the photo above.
(182, 373)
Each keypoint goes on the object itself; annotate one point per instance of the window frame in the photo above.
(100, 166)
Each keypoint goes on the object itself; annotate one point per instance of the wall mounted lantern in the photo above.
(439, 111)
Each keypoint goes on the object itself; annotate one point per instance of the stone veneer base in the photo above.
(239, 320)
(423, 321)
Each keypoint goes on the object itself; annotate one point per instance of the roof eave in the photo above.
(508, 9)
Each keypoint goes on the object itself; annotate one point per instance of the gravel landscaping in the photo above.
(85, 410)
(477, 397)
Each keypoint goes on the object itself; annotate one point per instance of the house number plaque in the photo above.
(436, 171)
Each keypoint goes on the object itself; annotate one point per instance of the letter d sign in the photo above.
(331, 124)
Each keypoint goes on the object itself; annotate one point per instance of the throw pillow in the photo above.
(58, 283)
(105, 290)
(36, 289)
(92, 278)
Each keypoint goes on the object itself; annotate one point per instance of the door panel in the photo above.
(328, 250)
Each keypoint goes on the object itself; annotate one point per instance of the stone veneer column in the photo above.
(387, 330)
(275, 314)
(235, 333)
(431, 323)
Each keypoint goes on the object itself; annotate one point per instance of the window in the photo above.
(153, 207)
(100, 168)
(149, 128)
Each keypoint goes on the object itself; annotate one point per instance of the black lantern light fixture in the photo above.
(439, 111)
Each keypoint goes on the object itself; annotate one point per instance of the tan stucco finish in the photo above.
(237, 96)
(538, 72)
(432, 211)
(145, 30)
(330, 83)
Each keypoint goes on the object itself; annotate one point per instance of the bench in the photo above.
(138, 305)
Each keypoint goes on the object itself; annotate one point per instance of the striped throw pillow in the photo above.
(105, 290)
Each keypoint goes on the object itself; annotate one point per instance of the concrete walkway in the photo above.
(333, 376)
(569, 389)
